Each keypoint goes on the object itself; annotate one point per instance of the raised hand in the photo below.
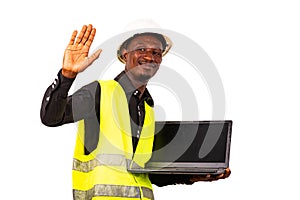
(76, 57)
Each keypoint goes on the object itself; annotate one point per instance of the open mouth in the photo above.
(147, 64)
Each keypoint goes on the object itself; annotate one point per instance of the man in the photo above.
(116, 118)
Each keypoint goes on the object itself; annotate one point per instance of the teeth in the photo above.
(147, 63)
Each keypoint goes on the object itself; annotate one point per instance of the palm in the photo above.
(76, 54)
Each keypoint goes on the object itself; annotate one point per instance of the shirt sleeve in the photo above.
(161, 180)
(58, 108)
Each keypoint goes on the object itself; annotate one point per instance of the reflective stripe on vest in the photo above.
(113, 191)
(103, 160)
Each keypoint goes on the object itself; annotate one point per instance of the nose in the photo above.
(149, 56)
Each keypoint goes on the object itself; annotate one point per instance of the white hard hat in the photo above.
(145, 27)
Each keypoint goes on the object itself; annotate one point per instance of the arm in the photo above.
(57, 107)
(161, 180)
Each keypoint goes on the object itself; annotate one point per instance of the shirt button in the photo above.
(48, 98)
(138, 133)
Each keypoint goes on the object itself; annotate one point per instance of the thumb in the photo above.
(94, 56)
(91, 59)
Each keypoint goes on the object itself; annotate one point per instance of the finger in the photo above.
(94, 56)
(97, 53)
(91, 59)
(220, 176)
(87, 34)
(209, 177)
(91, 38)
(73, 38)
(227, 172)
(81, 34)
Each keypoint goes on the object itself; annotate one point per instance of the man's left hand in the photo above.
(211, 177)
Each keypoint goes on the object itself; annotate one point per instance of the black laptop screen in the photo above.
(190, 141)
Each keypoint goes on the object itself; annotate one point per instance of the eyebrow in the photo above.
(139, 43)
(142, 44)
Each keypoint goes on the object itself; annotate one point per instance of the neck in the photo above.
(139, 85)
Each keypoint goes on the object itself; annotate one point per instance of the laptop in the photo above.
(189, 147)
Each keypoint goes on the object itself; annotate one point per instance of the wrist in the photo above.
(68, 74)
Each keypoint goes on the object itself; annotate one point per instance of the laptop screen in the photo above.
(191, 141)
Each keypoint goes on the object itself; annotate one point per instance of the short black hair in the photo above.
(160, 37)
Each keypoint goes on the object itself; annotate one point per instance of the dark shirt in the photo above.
(58, 108)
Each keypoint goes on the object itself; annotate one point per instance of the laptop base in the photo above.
(179, 171)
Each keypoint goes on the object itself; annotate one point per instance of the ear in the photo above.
(124, 54)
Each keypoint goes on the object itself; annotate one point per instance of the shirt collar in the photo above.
(130, 90)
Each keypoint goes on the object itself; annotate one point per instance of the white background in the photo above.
(255, 46)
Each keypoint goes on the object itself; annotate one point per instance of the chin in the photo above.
(147, 74)
(144, 78)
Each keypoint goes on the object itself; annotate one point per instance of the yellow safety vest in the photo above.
(103, 173)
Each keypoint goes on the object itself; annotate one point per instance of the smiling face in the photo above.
(143, 56)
